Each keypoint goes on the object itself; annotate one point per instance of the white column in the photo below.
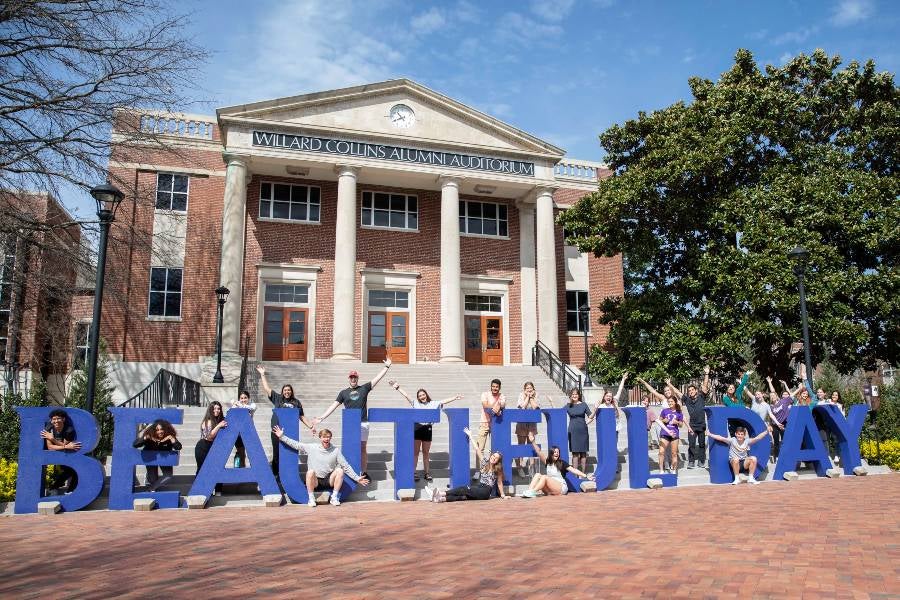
(231, 262)
(344, 305)
(548, 319)
(451, 274)
(527, 277)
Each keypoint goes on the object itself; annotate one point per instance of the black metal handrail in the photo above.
(167, 389)
(562, 374)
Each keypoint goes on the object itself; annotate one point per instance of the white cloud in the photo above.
(794, 37)
(850, 12)
(516, 28)
(552, 10)
(785, 58)
(310, 46)
(466, 12)
(430, 20)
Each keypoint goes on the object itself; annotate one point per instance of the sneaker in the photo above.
(736, 481)
(429, 493)
(311, 502)
(159, 483)
(691, 465)
(529, 493)
(428, 477)
(753, 480)
(416, 477)
(836, 459)
(441, 497)
(334, 500)
(522, 473)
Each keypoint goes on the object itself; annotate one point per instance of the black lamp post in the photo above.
(585, 311)
(800, 256)
(108, 198)
(221, 295)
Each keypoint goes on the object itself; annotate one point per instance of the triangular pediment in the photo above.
(366, 111)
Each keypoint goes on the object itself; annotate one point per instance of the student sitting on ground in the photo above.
(554, 482)
(59, 434)
(158, 435)
(325, 466)
(739, 452)
(490, 474)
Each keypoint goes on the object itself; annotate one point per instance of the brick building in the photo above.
(352, 224)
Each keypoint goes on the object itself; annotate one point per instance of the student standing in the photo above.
(212, 422)
(240, 453)
(694, 401)
(579, 438)
(357, 396)
(527, 401)
(492, 403)
(422, 435)
(670, 420)
(285, 399)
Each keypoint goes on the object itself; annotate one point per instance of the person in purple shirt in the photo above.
(670, 421)
(779, 407)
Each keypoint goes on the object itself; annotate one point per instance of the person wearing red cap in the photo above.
(357, 396)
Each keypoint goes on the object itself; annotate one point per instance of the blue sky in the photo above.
(564, 70)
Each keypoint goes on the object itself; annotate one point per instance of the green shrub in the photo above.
(103, 399)
(9, 418)
(890, 453)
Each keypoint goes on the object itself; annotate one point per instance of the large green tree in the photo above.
(708, 196)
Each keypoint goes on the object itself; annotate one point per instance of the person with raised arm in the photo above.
(739, 452)
(423, 434)
(611, 401)
(492, 403)
(490, 474)
(734, 396)
(286, 399)
(553, 483)
(326, 466)
(527, 401)
(357, 396)
(240, 454)
(694, 401)
(670, 420)
(760, 406)
(159, 435)
(780, 405)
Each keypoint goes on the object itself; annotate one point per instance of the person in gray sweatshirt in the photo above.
(325, 465)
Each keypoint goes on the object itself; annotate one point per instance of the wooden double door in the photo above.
(484, 340)
(388, 336)
(285, 333)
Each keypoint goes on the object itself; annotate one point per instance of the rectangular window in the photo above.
(165, 292)
(288, 293)
(388, 299)
(476, 303)
(392, 211)
(82, 331)
(7, 264)
(574, 318)
(290, 202)
(483, 218)
(171, 192)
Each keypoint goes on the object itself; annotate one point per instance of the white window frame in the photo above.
(468, 311)
(287, 273)
(485, 285)
(165, 293)
(407, 212)
(271, 201)
(77, 347)
(372, 307)
(465, 217)
(390, 280)
(171, 192)
(305, 284)
(578, 332)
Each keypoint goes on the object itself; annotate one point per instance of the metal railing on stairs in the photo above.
(167, 389)
(562, 374)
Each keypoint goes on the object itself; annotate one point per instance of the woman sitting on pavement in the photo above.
(325, 467)
(159, 436)
(490, 474)
(554, 482)
(423, 434)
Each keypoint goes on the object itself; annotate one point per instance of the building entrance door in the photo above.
(484, 337)
(388, 337)
(284, 334)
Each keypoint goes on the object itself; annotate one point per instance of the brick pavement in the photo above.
(838, 538)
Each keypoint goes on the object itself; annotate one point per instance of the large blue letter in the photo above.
(801, 444)
(846, 431)
(126, 457)
(607, 448)
(351, 439)
(404, 420)
(33, 457)
(638, 459)
(460, 449)
(718, 418)
(501, 437)
(288, 458)
(214, 469)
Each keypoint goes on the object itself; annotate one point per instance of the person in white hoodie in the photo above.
(240, 454)
(325, 465)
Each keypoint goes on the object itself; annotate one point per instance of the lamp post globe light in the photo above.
(799, 256)
(585, 311)
(108, 198)
(221, 296)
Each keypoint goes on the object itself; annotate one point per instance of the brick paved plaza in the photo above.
(837, 538)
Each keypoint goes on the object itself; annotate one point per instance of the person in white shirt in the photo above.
(739, 452)
(240, 454)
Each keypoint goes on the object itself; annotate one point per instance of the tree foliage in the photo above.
(707, 197)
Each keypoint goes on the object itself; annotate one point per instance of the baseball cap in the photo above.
(353, 374)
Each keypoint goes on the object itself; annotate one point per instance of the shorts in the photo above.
(667, 437)
(741, 465)
(364, 431)
(563, 486)
(323, 482)
(523, 429)
(423, 432)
